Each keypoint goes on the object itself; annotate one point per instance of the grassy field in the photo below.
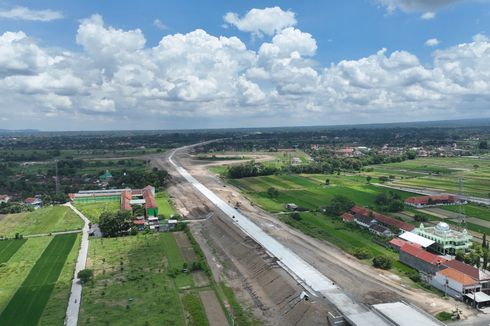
(15, 270)
(55, 310)
(309, 190)
(43, 220)
(440, 173)
(164, 204)
(27, 304)
(132, 285)
(93, 210)
(8, 248)
(345, 236)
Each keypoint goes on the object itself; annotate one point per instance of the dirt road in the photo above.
(362, 282)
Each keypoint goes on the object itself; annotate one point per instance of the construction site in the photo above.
(285, 276)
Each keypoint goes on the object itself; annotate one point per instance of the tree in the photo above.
(484, 241)
(485, 259)
(85, 275)
(369, 178)
(361, 253)
(327, 182)
(483, 144)
(338, 205)
(459, 255)
(114, 224)
(272, 192)
(296, 216)
(420, 218)
(383, 262)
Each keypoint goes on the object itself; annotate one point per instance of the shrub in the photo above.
(85, 275)
(361, 253)
(296, 216)
(383, 262)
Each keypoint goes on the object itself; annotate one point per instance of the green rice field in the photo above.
(29, 301)
(308, 190)
(43, 220)
(440, 173)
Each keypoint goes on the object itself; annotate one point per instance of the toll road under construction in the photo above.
(308, 276)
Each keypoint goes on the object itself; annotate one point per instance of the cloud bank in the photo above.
(196, 77)
(23, 13)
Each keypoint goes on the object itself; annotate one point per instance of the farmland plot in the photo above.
(27, 305)
(8, 248)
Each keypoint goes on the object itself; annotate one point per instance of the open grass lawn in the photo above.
(28, 303)
(164, 204)
(55, 310)
(8, 248)
(132, 285)
(308, 191)
(15, 270)
(93, 210)
(43, 220)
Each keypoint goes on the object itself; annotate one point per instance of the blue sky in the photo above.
(340, 30)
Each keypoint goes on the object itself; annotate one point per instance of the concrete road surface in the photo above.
(73, 309)
(299, 269)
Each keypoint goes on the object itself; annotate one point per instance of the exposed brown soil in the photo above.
(258, 280)
(213, 310)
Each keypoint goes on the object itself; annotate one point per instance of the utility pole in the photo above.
(462, 215)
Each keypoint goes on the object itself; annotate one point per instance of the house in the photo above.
(480, 276)
(347, 217)
(364, 221)
(431, 201)
(447, 240)
(420, 259)
(380, 230)
(455, 283)
(387, 221)
(291, 207)
(151, 208)
(4, 199)
(34, 201)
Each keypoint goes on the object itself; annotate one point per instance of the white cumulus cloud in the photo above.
(416, 5)
(432, 42)
(428, 15)
(23, 13)
(262, 21)
(197, 80)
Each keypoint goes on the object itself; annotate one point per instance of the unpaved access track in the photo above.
(259, 281)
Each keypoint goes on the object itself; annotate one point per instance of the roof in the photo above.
(347, 217)
(478, 297)
(2, 197)
(458, 276)
(139, 222)
(397, 242)
(415, 238)
(363, 219)
(424, 200)
(32, 200)
(389, 221)
(405, 315)
(422, 254)
(472, 271)
(126, 200)
(378, 227)
(149, 199)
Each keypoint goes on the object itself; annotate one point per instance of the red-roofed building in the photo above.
(347, 217)
(126, 197)
(420, 259)
(434, 200)
(481, 276)
(397, 243)
(383, 219)
(151, 207)
(4, 199)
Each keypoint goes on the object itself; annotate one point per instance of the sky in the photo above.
(110, 65)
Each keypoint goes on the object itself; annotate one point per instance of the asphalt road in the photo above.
(73, 308)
